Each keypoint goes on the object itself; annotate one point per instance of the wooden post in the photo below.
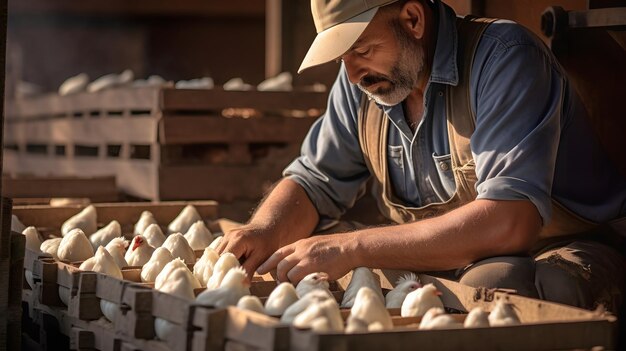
(273, 37)
(289, 33)
(3, 50)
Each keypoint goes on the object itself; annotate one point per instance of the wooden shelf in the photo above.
(195, 8)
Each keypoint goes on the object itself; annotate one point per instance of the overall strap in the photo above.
(459, 113)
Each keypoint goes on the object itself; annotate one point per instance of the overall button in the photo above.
(443, 166)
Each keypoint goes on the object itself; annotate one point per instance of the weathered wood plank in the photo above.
(207, 129)
(217, 99)
(53, 105)
(227, 182)
(125, 213)
(97, 189)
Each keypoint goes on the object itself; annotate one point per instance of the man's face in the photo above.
(385, 62)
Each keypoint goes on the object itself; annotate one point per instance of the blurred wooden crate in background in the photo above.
(163, 143)
(32, 189)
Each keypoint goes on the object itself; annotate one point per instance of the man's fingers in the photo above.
(250, 265)
(233, 248)
(284, 267)
(297, 273)
(222, 245)
(273, 261)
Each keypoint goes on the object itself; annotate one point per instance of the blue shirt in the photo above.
(532, 139)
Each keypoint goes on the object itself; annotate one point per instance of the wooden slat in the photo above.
(217, 99)
(125, 213)
(93, 188)
(122, 99)
(256, 330)
(88, 131)
(5, 272)
(14, 285)
(195, 8)
(81, 339)
(166, 99)
(557, 336)
(227, 182)
(6, 205)
(196, 129)
(135, 320)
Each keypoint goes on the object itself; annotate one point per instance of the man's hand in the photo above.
(333, 254)
(285, 216)
(251, 245)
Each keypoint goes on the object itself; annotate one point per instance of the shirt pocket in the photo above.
(395, 153)
(395, 156)
(443, 164)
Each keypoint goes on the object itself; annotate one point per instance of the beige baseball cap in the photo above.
(339, 23)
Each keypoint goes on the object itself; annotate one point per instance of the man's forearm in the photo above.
(287, 211)
(479, 229)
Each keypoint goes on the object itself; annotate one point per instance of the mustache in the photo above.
(371, 79)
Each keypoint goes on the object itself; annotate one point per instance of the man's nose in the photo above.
(355, 70)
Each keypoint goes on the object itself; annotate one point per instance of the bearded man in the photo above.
(479, 150)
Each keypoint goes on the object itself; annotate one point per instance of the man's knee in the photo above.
(583, 273)
(505, 272)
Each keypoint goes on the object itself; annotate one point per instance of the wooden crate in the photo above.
(198, 328)
(546, 326)
(95, 335)
(78, 322)
(163, 143)
(85, 288)
(96, 189)
(141, 305)
(49, 274)
(11, 262)
(49, 220)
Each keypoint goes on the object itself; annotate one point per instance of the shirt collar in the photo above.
(444, 69)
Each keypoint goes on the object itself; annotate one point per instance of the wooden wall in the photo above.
(183, 39)
(50, 41)
(528, 12)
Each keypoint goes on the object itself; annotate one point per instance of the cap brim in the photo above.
(336, 40)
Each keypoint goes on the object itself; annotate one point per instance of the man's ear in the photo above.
(412, 18)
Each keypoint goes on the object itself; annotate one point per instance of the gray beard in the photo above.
(404, 73)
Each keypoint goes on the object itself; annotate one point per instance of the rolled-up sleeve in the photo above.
(331, 168)
(518, 101)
